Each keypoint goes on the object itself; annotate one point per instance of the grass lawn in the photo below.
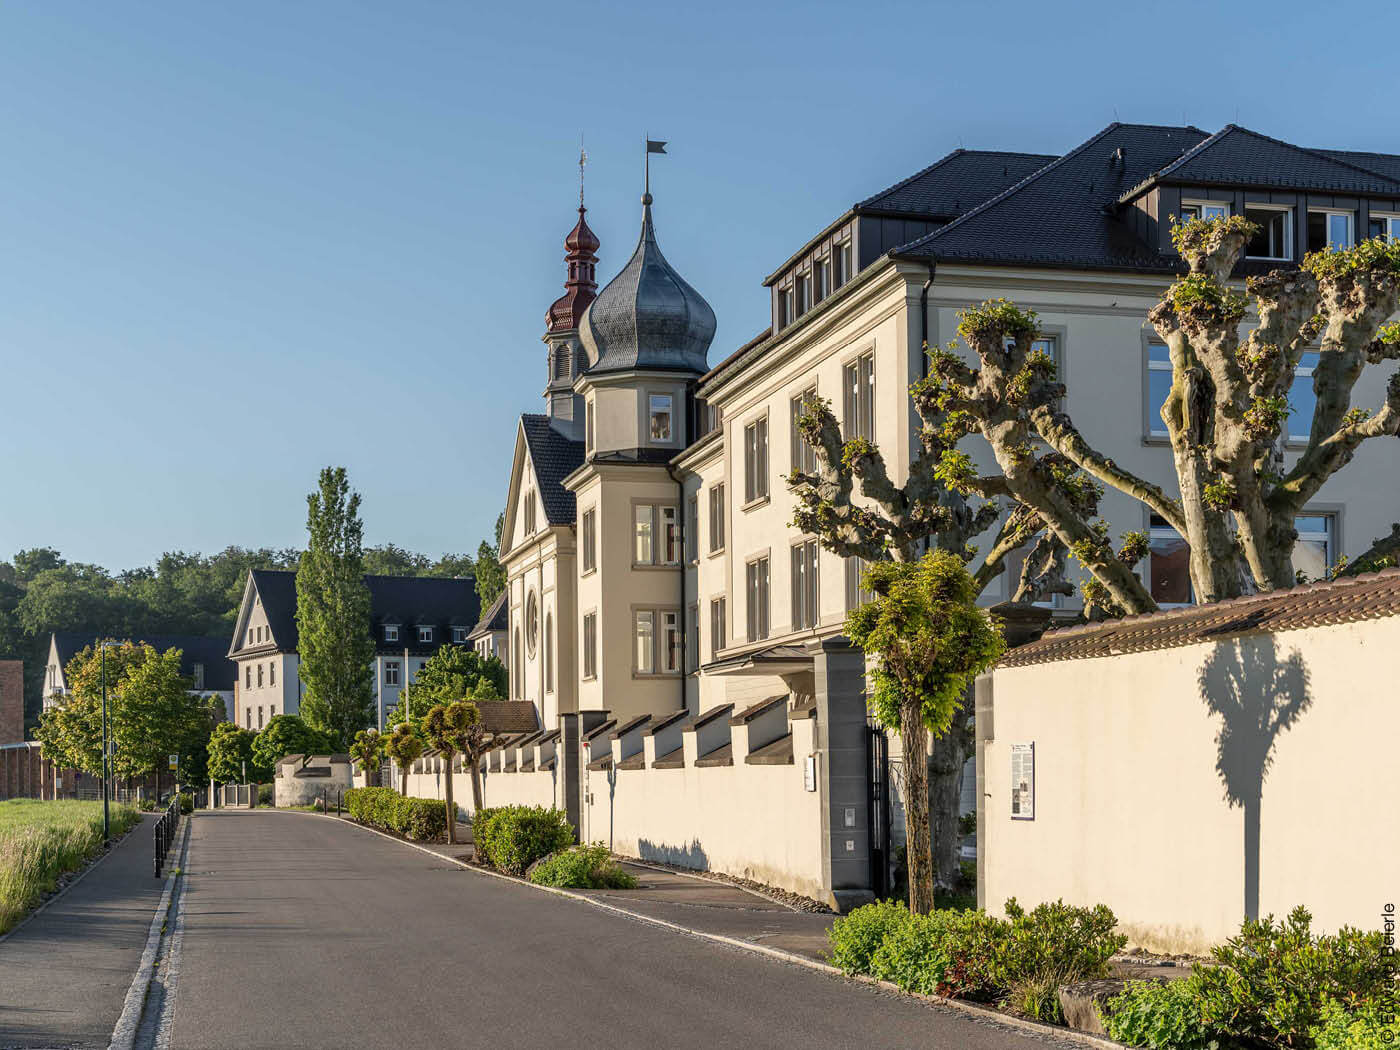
(39, 841)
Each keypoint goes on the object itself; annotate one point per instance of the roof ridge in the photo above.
(946, 158)
(1310, 151)
(1004, 194)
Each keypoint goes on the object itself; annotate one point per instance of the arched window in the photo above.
(549, 652)
(532, 623)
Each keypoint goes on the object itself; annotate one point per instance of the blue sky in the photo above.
(239, 242)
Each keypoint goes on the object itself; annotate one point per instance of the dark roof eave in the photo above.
(845, 216)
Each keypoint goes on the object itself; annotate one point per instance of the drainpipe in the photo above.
(923, 316)
(685, 545)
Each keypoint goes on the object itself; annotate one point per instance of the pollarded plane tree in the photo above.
(855, 510)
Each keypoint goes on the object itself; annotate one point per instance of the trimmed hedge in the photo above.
(421, 819)
(511, 838)
(583, 868)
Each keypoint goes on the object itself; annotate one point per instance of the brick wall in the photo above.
(11, 701)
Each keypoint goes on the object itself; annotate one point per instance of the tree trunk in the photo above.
(450, 804)
(476, 786)
(918, 847)
(403, 773)
(945, 766)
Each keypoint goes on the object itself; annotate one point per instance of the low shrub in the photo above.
(1159, 1016)
(421, 819)
(147, 805)
(950, 953)
(266, 797)
(186, 802)
(854, 939)
(583, 867)
(511, 838)
(1371, 1026)
(1273, 981)
(912, 954)
(1053, 945)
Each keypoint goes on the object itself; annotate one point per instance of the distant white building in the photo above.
(202, 659)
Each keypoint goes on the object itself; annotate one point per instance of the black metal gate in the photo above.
(878, 818)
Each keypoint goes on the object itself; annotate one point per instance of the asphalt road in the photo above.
(299, 931)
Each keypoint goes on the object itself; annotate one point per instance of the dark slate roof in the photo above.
(1236, 156)
(1366, 597)
(496, 618)
(954, 184)
(219, 671)
(1060, 215)
(1387, 164)
(555, 457)
(435, 601)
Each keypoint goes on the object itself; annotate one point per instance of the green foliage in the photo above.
(511, 838)
(1053, 945)
(997, 316)
(1219, 494)
(39, 841)
(854, 938)
(420, 819)
(1373, 1025)
(584, 868)
(490, 573)
(368, 750)
(333, 609)
(1273, 980)
(267, 795)
(1158, 1015)
(390, 559)
(1134, 547)
(1374, 257)
(950, 953)
(1197, 236)
(404, 746)
(186, 802)
(288, 735)
(454, 672)
(230, 752)
(928, 636)
(1202, 301)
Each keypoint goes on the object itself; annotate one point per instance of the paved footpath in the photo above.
(306, 931)
(64, 975)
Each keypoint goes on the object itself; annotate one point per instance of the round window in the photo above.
(532, 622)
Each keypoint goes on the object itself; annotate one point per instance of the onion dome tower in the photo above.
(561, 334)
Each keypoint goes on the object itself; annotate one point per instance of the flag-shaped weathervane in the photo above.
(652, 147)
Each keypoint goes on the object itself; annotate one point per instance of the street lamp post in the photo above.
(106, 753)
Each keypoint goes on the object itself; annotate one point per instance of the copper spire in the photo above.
(581, 255)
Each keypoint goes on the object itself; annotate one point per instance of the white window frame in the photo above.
(719, 625)
(821, 267)
(1288, 229)
(644, 641)
(758, 597)
(391, 672)
(1328, 536)
(644, 532)
(589, 640)
(856, 595)
(459, 635)
(425, 634)
(787, 304)
(655, 408)
(1348, 214)
(1302, 371)
(1155, 427)
(858, 396)
(1392, 224)
(802, 286)
(589, 538)
(1202, 204)
(806, 585)
(717, 522)
(391, 632)
(842, 250)
(804, 455)
(756, 461)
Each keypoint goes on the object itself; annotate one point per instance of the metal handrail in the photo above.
(165, 831)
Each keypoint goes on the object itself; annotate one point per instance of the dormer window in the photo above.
(803, 284)
(1275, 237)
(1191, 210)
(1330, 229)
(459, 635)
(1387, 227)
(821, 280)
(660, 411)
(787, 306)
(425, 634)
(391, 632)
(841, 268)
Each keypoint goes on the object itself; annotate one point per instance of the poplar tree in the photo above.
(333, 611)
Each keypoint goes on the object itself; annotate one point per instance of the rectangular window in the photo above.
(248, 676)
(1275, 237)
(786, 306)
(590, 549)
(804, 586)
(859, 389)
(1204, 210)
(260, 676)
(644, 659)
(1302, 401)
(391, 634)
(803, 285)
(857, 594)
(272, 673)
(248, 718)
(643, 533)
(1387, 227)
(1330, 229)
(804, 456)
(425, 634)
(250, 636)
(1168, 565)
(459, 635)
(590, 645)
(670, 642)
(391, 672)
(198, 676)
(1159, 385)
(670, 536)
(718, 639)
(692, 638)
(1314, 554)
(260, 717)
(588, 426)
(659, 406)
(692, 529)
(841, 269)
(717, 517)
(529, 512)
(757, 588)
(756, 460)
(821, 280)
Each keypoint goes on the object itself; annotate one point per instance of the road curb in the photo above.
(981, 1013)
(71, 883)
(129, 1023)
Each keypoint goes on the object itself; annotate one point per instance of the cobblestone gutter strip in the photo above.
(129, 1023)
(788, 899)
(985, 1015)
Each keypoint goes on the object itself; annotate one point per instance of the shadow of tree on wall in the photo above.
(691, 856)
(1258, 697)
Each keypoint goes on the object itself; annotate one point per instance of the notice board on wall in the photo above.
(1023, 781)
